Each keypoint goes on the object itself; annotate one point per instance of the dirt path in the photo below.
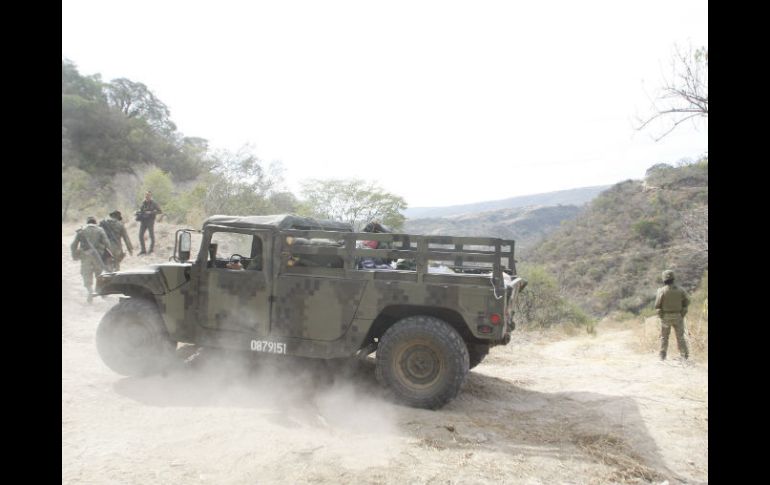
(538, 411)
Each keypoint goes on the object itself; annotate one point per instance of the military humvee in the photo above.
(291, 285)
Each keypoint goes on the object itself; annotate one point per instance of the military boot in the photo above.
(662, 356)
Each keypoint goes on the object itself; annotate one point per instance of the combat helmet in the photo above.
(668, 276)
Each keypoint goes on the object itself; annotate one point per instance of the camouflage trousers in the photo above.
(89, 268)
(677, 321)
(117, 256)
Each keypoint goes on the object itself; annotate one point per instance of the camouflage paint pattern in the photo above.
(234, 300)
(321, 306)
(318, 308)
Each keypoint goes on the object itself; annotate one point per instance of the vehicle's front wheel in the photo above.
(132, 340)
(423, 360)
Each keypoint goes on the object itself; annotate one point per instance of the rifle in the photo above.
(99, 256)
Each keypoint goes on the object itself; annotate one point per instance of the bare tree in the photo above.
(685, 94)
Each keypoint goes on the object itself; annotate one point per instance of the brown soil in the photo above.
(547, 408)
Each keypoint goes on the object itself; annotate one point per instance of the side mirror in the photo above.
(185, 246)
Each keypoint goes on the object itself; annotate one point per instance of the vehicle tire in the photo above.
(132, 340)
(476, 354)
(423, 360)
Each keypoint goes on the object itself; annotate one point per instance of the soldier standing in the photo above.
(90, 246)
(671, 304)
(146, 217)
(116, 233)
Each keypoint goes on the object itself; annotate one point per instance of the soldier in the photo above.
(375, 263)
(116, 233)
(146, 217)
(90, 247)
(671, 305)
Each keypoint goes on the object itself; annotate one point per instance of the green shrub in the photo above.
(651, 230)
(159, 183)
(540, 304)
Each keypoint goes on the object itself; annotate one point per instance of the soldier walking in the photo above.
(90, 246)
(146, 217)
(116, 233)
(671, 304)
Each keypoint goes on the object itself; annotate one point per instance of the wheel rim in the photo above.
(418, 365)
(129, 339)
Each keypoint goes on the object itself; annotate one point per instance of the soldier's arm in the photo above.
(74, 246)
(659, 301)
(685, 302)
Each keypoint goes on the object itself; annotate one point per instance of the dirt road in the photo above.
(544, 409)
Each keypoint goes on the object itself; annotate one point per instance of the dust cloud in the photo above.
(541, 410)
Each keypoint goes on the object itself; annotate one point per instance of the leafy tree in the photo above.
(73, 83)
(120, 127)
(353, 201)
(239, 184)
(684, 95)
(135, 100)
(284, 202)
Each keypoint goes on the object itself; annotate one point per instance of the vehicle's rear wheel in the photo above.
(423, 360)
(132, 340)
(476, 353)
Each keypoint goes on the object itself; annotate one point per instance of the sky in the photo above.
(440, 102)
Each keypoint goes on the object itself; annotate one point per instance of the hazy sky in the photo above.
(441, 102)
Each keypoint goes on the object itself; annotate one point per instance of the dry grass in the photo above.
(615, 453)
(557, 332)
(696, 329)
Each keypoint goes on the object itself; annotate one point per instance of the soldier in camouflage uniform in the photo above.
(671, 304)
(90, 246)
(116, 233)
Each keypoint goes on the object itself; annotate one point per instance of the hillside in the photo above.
(611, 255)
(526, 225)
(577, 197)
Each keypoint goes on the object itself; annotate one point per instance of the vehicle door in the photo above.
(235, 283)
